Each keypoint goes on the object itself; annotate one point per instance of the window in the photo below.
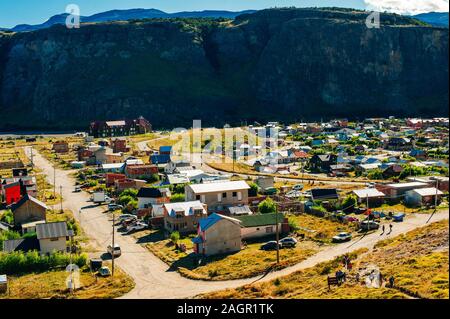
(197, 197)
(269, 230)
(234, 194)
(224, 195)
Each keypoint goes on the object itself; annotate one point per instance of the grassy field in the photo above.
(52, 284)
(319, 229)
(249, 262)
(418, 261)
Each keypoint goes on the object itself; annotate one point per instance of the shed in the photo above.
(3, 284)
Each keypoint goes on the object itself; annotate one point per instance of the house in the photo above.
(111, 178)
(423, 196)
(184, 216)
(141, 171)
(322, 162)
(397, 190)
(372, 196)
(27, 183)
(174, 167)
(152, 196)
(112, 168)
(53, 237)
(22, 244)
(11, 193)
(324, 194)
(217, 234)
(119, 145)
(119, 128)
(418, 154)
(28, 209)
(398, 144)
(392, 171)
(260, 225)
(219, 195)
(265, 182)
(175, 179)
(60, 147)
(121, 185)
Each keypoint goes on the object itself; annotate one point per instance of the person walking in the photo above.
(382, 229)
(391, 281)
(390, 228)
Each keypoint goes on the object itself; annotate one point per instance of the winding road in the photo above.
(152, 276)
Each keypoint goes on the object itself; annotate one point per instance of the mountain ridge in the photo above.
(278, 64)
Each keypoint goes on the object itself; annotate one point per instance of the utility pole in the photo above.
(113, 251)
(71, 267)
(436, 196)
(54, 181)
(60, 191)
(31, 157)
(278, 237)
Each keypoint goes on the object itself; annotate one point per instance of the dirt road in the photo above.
(152, 276)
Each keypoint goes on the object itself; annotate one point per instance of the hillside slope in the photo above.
(280, 64)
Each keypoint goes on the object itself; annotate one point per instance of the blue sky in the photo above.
(13, 12)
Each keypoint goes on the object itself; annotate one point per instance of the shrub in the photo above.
(20, 262)
(7, 217)
(267, 206)
(176, 198)
(175, 237)
(349, 202)
(253, 191)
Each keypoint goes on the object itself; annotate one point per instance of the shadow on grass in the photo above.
(153, 237)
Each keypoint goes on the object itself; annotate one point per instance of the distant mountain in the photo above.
(122, 15)
(438, 19)
(281, 65)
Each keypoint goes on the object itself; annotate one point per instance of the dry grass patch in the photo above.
(418, 261)
(52, 284)
(319, 229)
(249, 262)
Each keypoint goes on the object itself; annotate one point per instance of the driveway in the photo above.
(152, 276)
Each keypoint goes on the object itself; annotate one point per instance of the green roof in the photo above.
(259, 219)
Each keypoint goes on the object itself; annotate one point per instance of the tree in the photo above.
(267, 206)
(253, 191)
(175, 237)
(349, 202)
(176, 198)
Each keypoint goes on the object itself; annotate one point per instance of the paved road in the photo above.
(152, 276)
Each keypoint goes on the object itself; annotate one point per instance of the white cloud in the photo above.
(407, 6)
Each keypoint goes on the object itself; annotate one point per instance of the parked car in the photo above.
(77, 189)
(369, 225)
(288, 242)
(116, 252)
(270, 191)
(136, 227)
(351, 219)
(342, 237)
(104, 271)
(298, 187)
(113, 207)
(271, 245)
(126, 217)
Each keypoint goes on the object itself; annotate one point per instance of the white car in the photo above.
(136, 226)
(298, 187)
(116, 252)
(126, 217)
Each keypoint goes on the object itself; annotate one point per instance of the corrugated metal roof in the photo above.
(52, 230)
(368, 192)
(219, 187)
(430, 191)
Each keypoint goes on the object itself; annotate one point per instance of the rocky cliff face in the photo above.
(286, 64)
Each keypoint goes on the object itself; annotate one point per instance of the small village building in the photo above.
(53, 237)
(371, 195)
(239, 210)
(219, 195)
(3, 284)
(119, 145)
(111, 178)
(141, 171)
(423, 196)
(396, 191)
(260, 225)
(218, 234)
(183, 216)
(148, 196)
(11, 193)
(324, 194)
(28, 209)
(115, 168)
(322, 163)
(119, 128)
(60, 147)
(121, 185)
(265, 182)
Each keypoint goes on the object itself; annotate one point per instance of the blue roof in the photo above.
(165, 149)
(205, 223)
(160, 158)
(197, 240)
